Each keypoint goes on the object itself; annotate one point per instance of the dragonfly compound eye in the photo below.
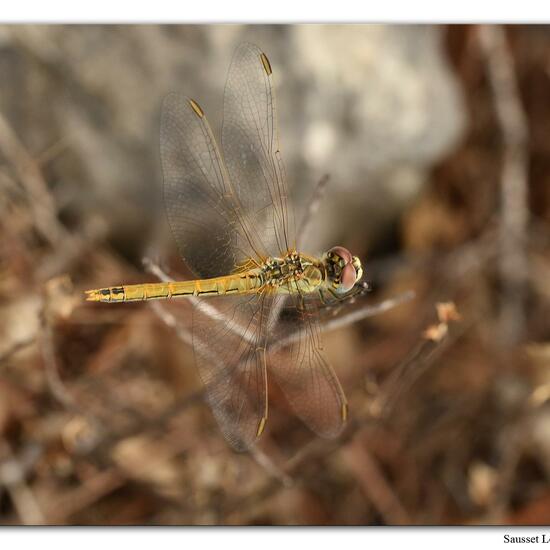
(348, 278)
(344, 270)
(340, 255)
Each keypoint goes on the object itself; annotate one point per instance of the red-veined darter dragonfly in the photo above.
(234, 229)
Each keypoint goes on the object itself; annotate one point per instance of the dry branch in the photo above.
(514, 214)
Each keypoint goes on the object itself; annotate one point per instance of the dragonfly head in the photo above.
(343, 269)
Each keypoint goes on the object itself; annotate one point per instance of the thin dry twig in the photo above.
(30, 176)
(17, 346)
(422, 356)
(514, 217)
(201, 305)
(367, 310)
(12, 476)
(269, 466)
(420, 359)
(43, 207)
(85, 495)
(53, 379)
(512, 451)
(313, 207)
(58, 302)
(54, 150)
(374, 484)
(360, 313)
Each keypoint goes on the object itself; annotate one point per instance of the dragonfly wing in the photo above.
(251, 148)
(230, 348)
(303, 372)
(208, 224)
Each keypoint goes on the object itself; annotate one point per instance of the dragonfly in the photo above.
(232, 222)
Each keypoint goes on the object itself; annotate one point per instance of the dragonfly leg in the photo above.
(331, 300)
(335, 301)
(322, 297)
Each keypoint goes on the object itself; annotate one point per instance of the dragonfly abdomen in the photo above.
(241, 283)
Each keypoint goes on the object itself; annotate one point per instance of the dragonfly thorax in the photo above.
(292, 271)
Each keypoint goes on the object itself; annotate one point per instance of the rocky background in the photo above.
(435, 141)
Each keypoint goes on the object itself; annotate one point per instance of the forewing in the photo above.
(302, 370)
(230, 348)
(203, 211)
(251, 148)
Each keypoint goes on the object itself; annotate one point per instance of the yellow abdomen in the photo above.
(240, 283)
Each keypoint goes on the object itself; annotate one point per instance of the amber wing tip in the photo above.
(261, 426)
(344, 412)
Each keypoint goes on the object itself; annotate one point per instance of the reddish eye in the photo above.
(348, 278)
(344, 253)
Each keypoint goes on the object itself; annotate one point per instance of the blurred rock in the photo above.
(373, 106)
(380, 107)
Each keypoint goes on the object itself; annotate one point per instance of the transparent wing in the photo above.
(251, 148)
(302, 371)
(212, 231)
(230, 352)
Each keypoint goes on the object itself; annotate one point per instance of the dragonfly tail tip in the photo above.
(92, 295)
